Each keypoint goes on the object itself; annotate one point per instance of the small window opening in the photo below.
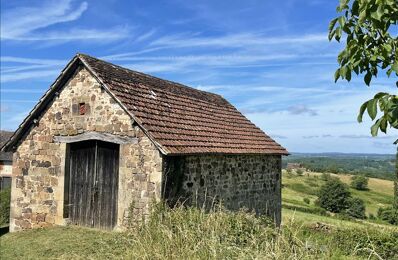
(82, 108)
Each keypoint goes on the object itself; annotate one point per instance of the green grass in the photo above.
(296, 188)
(192, 234)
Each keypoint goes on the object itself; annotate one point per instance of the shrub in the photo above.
(388, 214)
(356, 208)
(359, 182)
(334, 196)
(5, 196)
(306, 200)
(326, 176)
(299, 172)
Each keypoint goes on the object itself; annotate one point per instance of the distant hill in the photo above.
(372, 165)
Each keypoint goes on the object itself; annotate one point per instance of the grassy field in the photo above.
(296, 188)
(192, 234)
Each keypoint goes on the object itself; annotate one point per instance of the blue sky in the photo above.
(271, 59)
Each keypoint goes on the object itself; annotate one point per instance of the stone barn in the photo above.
(105, 142)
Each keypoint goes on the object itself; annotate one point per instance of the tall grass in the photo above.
(191, 233)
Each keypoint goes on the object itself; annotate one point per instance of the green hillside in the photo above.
(296, 188)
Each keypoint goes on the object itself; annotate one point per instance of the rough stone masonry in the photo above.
(251, 182)
(191, 147)
(38, 165)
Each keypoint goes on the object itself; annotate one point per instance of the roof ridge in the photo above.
(149, 76)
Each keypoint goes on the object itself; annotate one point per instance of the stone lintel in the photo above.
(106, 137)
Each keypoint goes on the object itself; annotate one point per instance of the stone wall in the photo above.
(39, 163)
(237, 181)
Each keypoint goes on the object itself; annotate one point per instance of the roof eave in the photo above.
(9, 146)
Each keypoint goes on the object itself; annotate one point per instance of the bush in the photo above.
(334, 196)
(359, 182)
(307, 200)
(5, 197)
(299, 172)
(326, 176)
(356, 208)
(388, 214)
(371, 216)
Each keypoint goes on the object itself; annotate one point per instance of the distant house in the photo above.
(105, 142)
(5, 162)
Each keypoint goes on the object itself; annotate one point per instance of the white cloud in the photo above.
(235, 40)
(22, 21)
(145, 36)
(28, 23)
(30, 74)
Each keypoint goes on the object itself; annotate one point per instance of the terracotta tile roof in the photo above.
(183, 120)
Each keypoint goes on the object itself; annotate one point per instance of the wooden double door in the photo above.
(91, 184)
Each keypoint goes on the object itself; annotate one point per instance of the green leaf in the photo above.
(332, 24)
(394, 67)
(338, 34)
(348, 74)
(362, 16)
(336, 75)
(375, 128)
(372, 108)
(383, 125)
(368, 78)
(343, 71)
(361, 111)
(341, 21)
(380, 95)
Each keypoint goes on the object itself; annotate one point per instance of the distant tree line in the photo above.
(382, 168)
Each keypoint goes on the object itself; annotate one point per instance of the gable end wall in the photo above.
(39, 163)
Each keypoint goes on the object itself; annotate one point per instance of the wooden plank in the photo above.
(105, 137)
(107, 173)
(93, 175)
(67, 183)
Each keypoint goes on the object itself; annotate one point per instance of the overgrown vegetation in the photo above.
(5, 196)
(334, 196)
(359, 182)
(189, 233)
(389, 215)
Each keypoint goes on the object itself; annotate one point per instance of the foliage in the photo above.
(194, 234)
(356, 208)
(299, 172)
(334, 196)
(5, 196)
(376, 166)
(326, 176)
(369, 47)
(359, 182)
(388, 214)
(306, 200)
